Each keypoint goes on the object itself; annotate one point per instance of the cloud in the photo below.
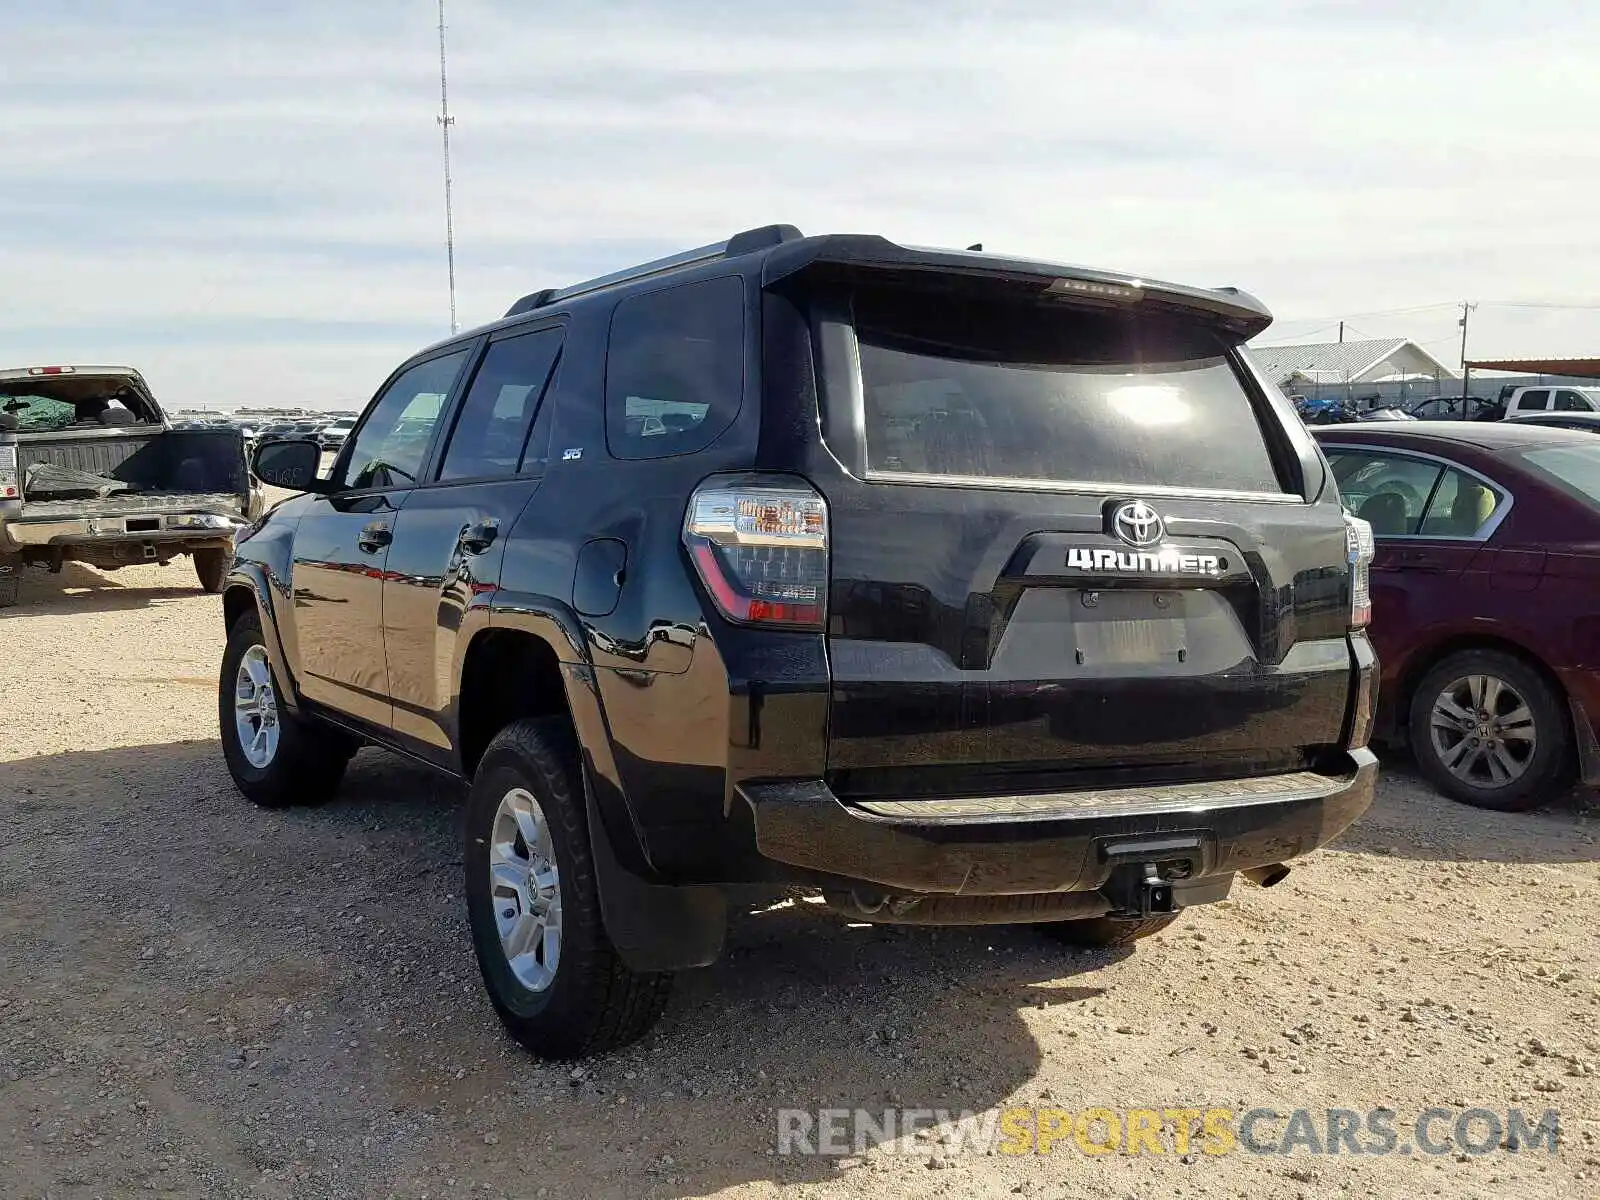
(247, 200)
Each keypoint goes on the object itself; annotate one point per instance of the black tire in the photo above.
(1100, 932)
(10, 579)
(212, 566)
(310, 760)
(1548, 771)
(594, 1003)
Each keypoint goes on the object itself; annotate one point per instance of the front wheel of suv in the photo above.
(1489, 730)
(275, 758)
(533, 904)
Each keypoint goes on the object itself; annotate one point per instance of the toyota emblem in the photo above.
(1136, 523)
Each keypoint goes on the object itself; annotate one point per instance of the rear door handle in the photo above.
(475, 539)
(374, 538)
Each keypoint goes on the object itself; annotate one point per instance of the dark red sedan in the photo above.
(1486, 599)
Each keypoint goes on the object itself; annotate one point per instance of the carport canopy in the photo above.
(1572, 368)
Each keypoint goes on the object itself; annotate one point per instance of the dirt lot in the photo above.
(201, 1000)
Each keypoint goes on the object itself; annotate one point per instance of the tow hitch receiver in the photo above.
(1151, 876)
(1140, 890)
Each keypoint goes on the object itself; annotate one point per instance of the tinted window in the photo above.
(982, 389)
(1532, 401)
(1388, 493)
(1570, 401)
(498, 413)
(393, 441)
(1462, 505)
(675, 369)
(1575, 468)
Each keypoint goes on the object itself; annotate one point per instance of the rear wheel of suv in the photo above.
(556, 982)
(1489, 730)
(275, 758)
(212, 566)
(1099, 932)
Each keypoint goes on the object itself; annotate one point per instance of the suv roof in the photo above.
(783, 251)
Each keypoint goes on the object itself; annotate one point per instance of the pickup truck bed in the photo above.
(71, 434)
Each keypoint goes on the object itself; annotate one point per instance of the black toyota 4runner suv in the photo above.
(953, 587)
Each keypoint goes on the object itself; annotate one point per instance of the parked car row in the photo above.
(329, 431)
(1550, 403)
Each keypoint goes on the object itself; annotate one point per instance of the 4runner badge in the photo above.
(1166, 561)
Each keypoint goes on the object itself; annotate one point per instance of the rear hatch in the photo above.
(1070, 546)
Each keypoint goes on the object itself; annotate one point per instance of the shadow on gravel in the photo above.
(1411, 820)
(330, 945)
(77, 588)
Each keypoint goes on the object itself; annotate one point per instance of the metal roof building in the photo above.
(1349, 362)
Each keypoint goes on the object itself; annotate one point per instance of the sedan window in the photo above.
(1389, 493)
(1462, 505)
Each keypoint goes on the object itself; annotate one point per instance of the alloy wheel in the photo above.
(525, 889)
(255, 709)
(1483, 731)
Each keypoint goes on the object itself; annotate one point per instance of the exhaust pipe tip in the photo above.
(1268, 876)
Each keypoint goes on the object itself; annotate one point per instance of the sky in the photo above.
(246, 202)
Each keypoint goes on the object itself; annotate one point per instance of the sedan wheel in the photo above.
(1489, 729)
(1483, 731)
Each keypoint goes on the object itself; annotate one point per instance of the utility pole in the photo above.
(445, 121)
(1466, 371)
(1341, 332)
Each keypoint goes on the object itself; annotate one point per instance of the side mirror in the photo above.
(291, 464)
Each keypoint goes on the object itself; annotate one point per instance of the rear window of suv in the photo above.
(954, 387)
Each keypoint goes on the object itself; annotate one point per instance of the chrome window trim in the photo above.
(1486, 531)
(1081, 487)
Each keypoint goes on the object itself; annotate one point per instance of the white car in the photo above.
(1547, 397)
(333, 436)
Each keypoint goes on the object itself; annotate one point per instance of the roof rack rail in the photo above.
(740, 243)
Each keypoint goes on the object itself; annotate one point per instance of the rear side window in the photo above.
(1389, 493)
(973, 389)
(1462, 504)
(497, 416)
(1534, 401)
(675, 369)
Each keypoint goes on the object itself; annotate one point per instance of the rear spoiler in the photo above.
(855, 255)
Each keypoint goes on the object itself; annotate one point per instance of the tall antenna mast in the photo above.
(445, 121)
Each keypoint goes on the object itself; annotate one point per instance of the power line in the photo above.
(1330, 321)
(1333, 318)
(445, 121)
(1536, 304)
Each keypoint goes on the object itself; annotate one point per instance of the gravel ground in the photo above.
(198, 999)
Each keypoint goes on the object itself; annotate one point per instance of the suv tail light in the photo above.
(1358, 541)
(10, 482)
(760, 546)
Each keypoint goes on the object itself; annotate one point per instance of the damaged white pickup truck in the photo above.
(91, 471)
